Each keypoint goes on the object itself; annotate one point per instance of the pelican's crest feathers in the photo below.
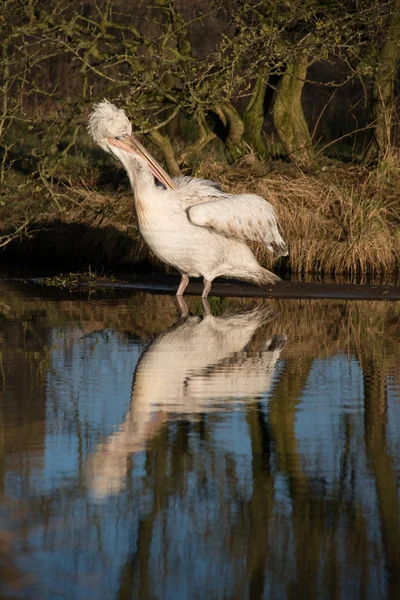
(107, 120)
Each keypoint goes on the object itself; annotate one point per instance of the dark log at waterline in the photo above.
(283, 289)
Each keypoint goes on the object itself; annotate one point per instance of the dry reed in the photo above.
(339, 220)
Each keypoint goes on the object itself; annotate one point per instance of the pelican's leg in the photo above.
(182, 285)
(206, 288)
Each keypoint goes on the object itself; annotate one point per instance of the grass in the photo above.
(73, 281)
(339, 220)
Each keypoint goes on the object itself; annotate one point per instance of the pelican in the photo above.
(189, 223)
(188, 370)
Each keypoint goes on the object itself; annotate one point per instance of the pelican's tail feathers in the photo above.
(259, 275)
(262, 277)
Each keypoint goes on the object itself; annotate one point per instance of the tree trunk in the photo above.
(162, 142)
(253, 117)
(288, 112)
(205, 136)
(234, 139)
(383, 101)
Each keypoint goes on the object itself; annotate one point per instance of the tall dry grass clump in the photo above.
(341, 220)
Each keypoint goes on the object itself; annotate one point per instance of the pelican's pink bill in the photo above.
(133, 146)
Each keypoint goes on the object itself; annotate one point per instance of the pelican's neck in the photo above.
(140, 176)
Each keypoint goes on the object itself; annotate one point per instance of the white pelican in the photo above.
(191, 224)
(190, 369)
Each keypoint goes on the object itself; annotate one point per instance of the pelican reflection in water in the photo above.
(187, 370)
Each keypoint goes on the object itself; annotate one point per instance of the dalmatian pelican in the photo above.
(189, 223)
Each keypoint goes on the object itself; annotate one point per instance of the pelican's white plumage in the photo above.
(190, 224)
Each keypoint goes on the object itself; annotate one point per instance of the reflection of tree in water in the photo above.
(382, 465)
(324, 558)
(267, 525)
(24, 359)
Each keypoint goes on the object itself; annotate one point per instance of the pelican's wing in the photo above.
(192, 190)
(202, 186)
(244, 217)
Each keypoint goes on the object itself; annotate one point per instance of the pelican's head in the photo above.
(108, 121)
(111, 129)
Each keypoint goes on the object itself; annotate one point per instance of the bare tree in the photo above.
(383, 96)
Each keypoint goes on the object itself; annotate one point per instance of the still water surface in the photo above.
(252, 452)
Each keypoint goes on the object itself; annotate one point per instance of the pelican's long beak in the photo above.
(130, 144)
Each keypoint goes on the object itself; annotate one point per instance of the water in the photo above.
(250, 453)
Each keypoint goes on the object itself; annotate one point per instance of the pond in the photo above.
(246, 449)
